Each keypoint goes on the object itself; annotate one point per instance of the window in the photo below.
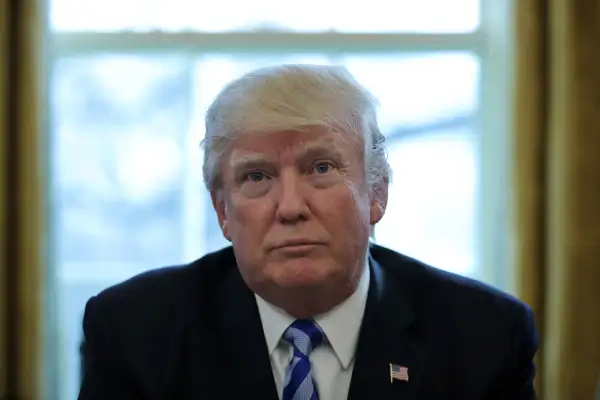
(129, 85)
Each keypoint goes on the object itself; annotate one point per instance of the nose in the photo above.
(291, 205)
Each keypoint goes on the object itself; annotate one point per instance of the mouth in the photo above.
(292, 251)
(297, 246)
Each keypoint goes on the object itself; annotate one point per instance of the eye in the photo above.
(322, 167)
(255, 176)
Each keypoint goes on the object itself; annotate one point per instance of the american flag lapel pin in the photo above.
(398, 372)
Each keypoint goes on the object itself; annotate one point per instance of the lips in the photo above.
(296, 243)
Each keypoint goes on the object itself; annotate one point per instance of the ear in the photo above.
(220, 207)
(379, 199)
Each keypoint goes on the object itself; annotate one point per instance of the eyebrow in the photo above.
(249, 162)
(307, 151)
(321, 149)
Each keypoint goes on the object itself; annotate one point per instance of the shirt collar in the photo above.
(341, 324)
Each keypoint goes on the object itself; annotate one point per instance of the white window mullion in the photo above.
(68, 44)
(494, 226)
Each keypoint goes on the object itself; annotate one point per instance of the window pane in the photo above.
(431, 205)
(418, 89)
(429, 16)
(117, 183)
(118, 143)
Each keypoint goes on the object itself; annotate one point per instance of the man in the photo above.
(302, 306)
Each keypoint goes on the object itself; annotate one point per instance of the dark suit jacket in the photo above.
(194, 332)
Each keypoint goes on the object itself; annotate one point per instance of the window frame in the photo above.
(492, 43)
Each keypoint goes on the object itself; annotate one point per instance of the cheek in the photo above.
(343, 209)
(249, 220)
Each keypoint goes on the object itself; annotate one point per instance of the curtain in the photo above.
(557, 188)
(21, 272)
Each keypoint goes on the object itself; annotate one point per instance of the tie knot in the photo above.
(305, 335)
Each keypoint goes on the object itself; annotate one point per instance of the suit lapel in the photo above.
(387, 337)
(246, 366)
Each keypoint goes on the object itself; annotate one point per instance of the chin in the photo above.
(298, 282)
(301, 273)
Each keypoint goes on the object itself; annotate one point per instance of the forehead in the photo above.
(292, 143)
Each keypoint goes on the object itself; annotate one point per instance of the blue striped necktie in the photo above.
(304, 335)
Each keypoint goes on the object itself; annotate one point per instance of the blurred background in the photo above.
(491, 110)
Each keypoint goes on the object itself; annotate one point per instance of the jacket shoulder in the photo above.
(433, 287)
(166, 288)
(133, 330)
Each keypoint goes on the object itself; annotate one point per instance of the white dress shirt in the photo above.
(332, 362)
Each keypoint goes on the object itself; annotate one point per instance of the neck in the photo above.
(310, 301)
(304, 306)
(305, 302)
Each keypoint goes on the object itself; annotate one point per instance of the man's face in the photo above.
(297, 208)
